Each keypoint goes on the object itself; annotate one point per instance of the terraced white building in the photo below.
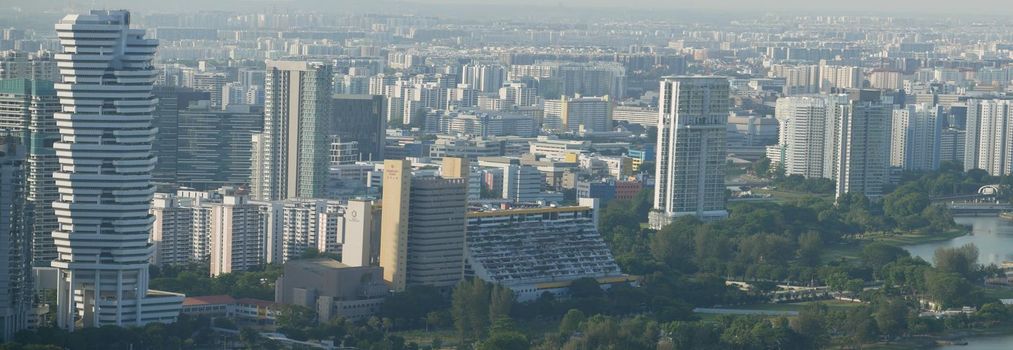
(104, 176)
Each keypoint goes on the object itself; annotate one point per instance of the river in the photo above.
(994, 239)
(984, 343)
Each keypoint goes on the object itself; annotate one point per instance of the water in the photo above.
(987, 343)
(993, 237)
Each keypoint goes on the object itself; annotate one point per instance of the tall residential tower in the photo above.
(291, 154)
(104, 177)
(690, 173)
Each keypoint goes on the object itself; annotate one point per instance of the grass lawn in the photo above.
(786, 196)
(998, 293)
(421, 337)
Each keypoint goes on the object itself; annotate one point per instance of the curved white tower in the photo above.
(104, 176)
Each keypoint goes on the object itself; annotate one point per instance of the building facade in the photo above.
(293, 148)
(690, 153)
(105, 178)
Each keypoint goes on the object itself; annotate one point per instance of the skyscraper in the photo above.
(858, 148)
(105, 175)
(360, 118)
(690, 174)
(293, 149)
(26, 114)
(916, 137)
(15, 241)
(214, 145)
(423, 228)
(802, 127)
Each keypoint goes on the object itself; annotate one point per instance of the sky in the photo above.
(500, 8)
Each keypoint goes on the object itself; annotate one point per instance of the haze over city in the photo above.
(506, 174)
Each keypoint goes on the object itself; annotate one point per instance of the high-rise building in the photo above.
(31, 66)
(916, 137)
(172, 231)
(105, 175)
(803, 79)
(16, 284)
(360, 118)
(951, 145)
(483, 77)
(26, 115)
(171, 100)
(802, 125)
(692, 123)
(237, 235)
(358, 243)
(839, 77)
(214, 145)
(988, 142)
(579, 114)
(293, 149)
(423, 228)
(858, 144)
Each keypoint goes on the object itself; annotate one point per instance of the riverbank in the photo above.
(852, 249)
(940, 340)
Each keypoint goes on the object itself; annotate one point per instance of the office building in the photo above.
(951, 145)
(26, 117)
(360, 118)
(214, 145)
(360, 239)
(16, 285)
(423, 228)
(171, 100)
(293, 149)
(105, 181)
(917, 134)
(858, 150)
(802, 123)
(690, 153)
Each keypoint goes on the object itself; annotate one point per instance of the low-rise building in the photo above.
(332, 288)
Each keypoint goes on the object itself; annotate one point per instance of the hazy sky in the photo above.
(893, 7)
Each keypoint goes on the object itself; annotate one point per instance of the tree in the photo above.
(877, 254)
(295, 316)
(512, 340)
(571, 321)
(949, 289)
(761, 167)
(962, 260)
(470, 308)
(810, 324)
(891, 317)
(810, 246)
(500, 300)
